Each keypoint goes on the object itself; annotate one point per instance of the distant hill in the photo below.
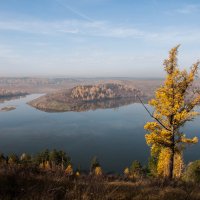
(102, 91)
(11, 93)
(84, 96)
(49, 85)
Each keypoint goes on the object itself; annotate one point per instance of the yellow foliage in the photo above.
(98, 171)
(69, 170)
(193, 140)
(77, 173)
(173, 107)
(163, 162)
(47, 165)
(11, 161)
(126, 171)
(178, 165)
(41, 165)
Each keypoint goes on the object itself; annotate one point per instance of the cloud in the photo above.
(185, 10)
(80, 14)
(84, 28)
(121, 32)
(104, 29)
(40, 27)
(188, 9)
(174, 35)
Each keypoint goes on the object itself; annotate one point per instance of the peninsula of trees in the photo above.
(82, 98)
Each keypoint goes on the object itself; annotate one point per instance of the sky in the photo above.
(96, 38)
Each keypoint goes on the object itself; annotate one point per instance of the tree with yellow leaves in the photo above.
(69, 170)
(126, 172)
(173, 105)
(98, 171)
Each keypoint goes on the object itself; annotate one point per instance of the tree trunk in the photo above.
(171, 161)
(171, 165)
(62, 165)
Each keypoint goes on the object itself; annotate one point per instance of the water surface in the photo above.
(115, 136)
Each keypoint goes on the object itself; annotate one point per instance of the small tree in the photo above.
(69, 170)
(53, 158)
(98, 171)
(136, 169)
(42, 157)
(63, 159)
(2, 158)
(126, 172)
(25, 158)
(94, 163)
(13, 159)
(173, 107)
(152, 166)
(192, 173)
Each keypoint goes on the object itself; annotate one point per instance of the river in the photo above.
(115, 136)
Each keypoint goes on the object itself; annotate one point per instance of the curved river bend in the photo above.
(115, 136)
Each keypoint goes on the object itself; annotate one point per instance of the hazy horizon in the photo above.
(84, 77)
(96, 38)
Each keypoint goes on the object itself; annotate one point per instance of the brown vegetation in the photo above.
(103, 91)
(50, 175)
(29, 183)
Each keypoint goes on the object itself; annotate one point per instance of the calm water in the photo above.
(115, 136)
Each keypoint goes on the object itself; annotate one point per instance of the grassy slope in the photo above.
(24, 183)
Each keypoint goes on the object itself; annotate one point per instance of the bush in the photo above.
(136, 170)
(192, 172)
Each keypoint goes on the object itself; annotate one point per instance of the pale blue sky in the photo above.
(95, 38)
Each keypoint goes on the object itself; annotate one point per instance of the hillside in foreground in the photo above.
(51, 175)
(28, 183)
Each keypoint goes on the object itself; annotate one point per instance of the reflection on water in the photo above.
(115, 136)
(109, 103)
(4, 99)
(94, 105)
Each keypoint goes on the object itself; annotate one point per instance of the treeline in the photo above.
(11, 93)
(50, 175)
(47, 160)
(55, 160)
(102, 91)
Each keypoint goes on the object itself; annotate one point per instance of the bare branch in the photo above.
(152, 114)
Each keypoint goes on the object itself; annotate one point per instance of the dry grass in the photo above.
(30, 183)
